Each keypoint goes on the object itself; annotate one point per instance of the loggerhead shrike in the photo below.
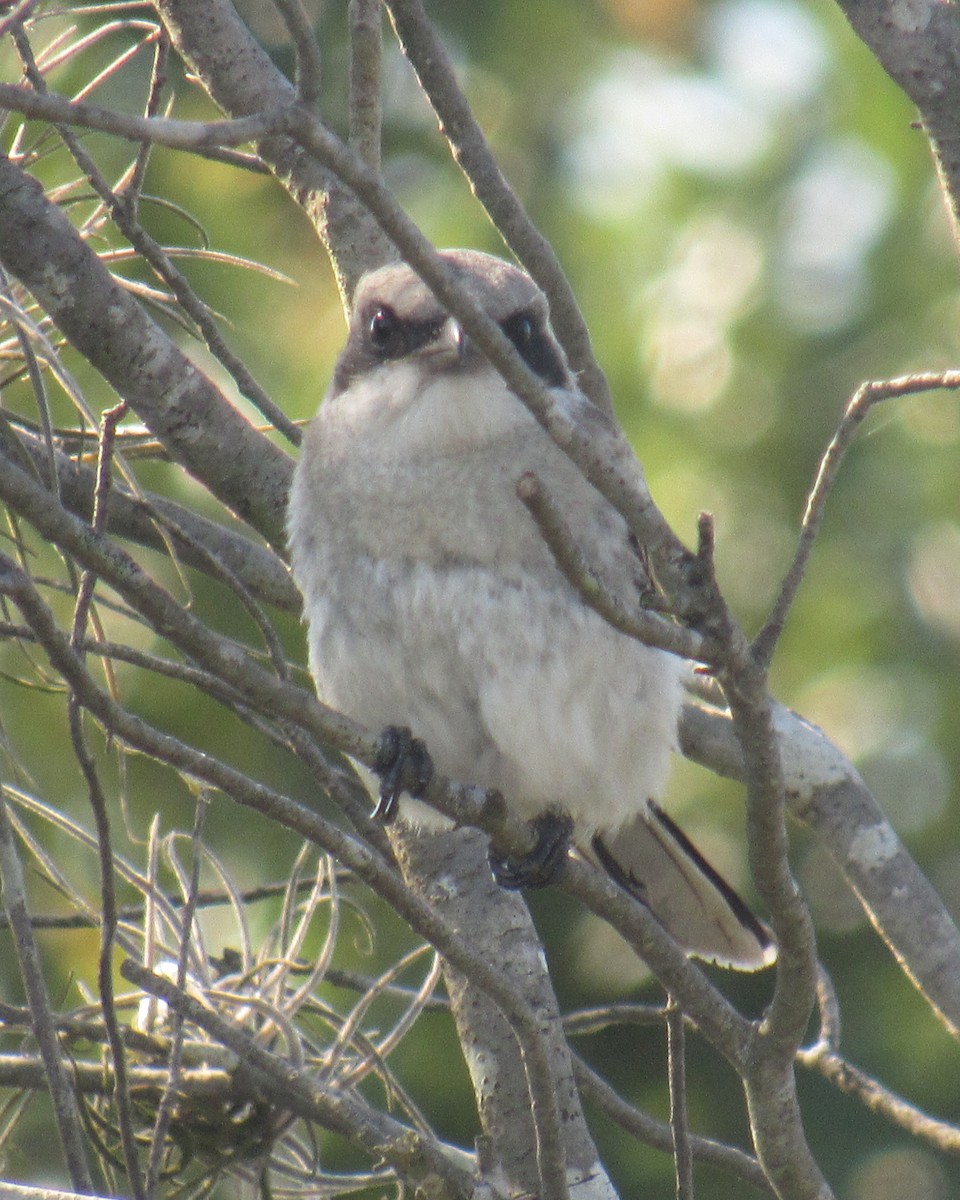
(433, 602)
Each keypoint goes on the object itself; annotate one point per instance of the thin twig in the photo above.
(305, 48)
(366, 63)
(110, 418)
(213, 1084)
(171, 1091)
(829, 1006)
(872, 1094)
(677, 1077)
(332, 778)
(198, 136)
(98, 804)
(863, 400)
(645, 1129)
(38, 384)
(368, 866)
(343, 1112)
(428, 56)
(55, 1068)
(132, 913)
(595, 1020)
(108, 930)
(20, 14)
(158, 81)
(645, 625)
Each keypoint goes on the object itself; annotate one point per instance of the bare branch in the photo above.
(26, 1071)
(826, 792)
(429, 59)
(309, 66)
(940, 1135)
(677, 1075)
(863, 400)
(657, 1134)
(644, 624)
(918, 45)
(366, 64)
(54, 1065)
(383, 1137)
(189, 415)
(242, 79)
(182, 135)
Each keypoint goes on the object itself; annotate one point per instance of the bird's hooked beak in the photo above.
(451, 346)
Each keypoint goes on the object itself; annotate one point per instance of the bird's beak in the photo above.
(452, 345)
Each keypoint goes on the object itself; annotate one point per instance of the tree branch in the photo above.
(826, 793)
(368, 866)
(54, 1064)
(241, 79)
(498, 926)
(918, 45)
(414, 1157)
(366, 65)
(154, 522)
(178, 135)
(863, 400)
(429, 58)
(175, 400)
(659, 1135)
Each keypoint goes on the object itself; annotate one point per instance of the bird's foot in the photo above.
(404, 765)
(538, 866)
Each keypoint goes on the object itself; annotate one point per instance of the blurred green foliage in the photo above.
(751, 221)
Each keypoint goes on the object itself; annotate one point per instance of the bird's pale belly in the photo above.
(511, 685)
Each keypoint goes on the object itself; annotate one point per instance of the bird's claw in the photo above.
(538, 866)
(403, 764)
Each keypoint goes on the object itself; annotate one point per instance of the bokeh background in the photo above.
(751, 221)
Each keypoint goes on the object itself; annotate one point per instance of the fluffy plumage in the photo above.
(433, 602)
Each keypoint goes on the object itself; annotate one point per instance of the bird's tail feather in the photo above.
(655, 861)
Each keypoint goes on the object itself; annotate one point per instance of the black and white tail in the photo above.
(655, 861)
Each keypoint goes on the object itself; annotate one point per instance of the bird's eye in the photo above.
(384, 326)
(522, 332)
(536, 347)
